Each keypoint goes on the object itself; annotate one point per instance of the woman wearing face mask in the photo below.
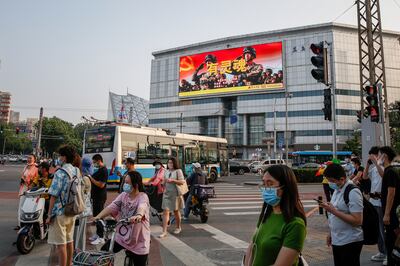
(345, 220)
(133, 204)
(171, 199)
(158, 178)
(281, 228)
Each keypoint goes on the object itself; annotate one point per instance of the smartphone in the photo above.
(317, 200)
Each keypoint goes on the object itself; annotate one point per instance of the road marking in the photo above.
(236, 208)
(241, 213)
(229, 198)
(310, 205)
(222, 236)
(180, 250)
(234, 203)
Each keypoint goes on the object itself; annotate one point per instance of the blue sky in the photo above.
(67, 55)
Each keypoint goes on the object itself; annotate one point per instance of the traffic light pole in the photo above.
(333, 100)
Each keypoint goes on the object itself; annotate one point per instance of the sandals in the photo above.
(177, 231)
(163, 235)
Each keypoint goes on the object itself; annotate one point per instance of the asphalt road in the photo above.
(221, 241)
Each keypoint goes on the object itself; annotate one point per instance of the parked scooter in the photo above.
(200, 200)
(31, 220)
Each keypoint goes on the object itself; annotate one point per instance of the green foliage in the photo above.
(307, 176)
(394, 123)
(14, 143)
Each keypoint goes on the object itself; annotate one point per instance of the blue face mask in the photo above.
(333, 186)
(270, 196)
(127, 188)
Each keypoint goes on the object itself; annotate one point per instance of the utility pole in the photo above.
(39, 137)
(181, 123)
(274, 128)
(372, 72)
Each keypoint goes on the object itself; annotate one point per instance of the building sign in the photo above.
(244, 69)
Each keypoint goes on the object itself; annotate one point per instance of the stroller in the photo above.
(155, 201)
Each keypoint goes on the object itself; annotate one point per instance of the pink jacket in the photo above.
(157, 180)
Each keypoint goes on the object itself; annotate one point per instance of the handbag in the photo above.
(182, 189)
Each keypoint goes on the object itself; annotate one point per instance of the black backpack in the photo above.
(370, 223)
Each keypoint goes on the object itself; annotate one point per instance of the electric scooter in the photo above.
(31, 220)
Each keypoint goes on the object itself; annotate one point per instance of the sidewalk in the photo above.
(316, 251)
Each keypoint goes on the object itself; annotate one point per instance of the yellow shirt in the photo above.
(41, 182)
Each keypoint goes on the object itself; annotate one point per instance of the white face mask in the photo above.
(158, 166)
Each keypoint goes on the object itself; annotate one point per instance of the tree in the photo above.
(354, 143)
(14, 143)
(394, 124)
(57, 132)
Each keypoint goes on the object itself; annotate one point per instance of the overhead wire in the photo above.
(344, 12)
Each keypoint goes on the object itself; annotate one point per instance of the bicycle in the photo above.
(104, 258)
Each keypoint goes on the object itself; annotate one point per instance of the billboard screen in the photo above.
(237, 70)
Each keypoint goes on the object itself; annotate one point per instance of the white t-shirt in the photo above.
(343, 233)
(376, 184)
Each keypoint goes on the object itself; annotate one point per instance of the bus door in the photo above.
(177, 152)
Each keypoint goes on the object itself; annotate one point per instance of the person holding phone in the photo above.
(345, 220)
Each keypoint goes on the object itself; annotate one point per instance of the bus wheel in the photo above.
(213, 176)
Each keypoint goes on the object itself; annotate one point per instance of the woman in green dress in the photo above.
(173, 177)
(281, 227)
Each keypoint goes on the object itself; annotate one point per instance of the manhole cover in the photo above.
(225, 256)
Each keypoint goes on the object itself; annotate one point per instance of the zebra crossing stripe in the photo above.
(180, 250)
(222, 236)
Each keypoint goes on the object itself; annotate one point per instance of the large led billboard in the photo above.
(238, 70)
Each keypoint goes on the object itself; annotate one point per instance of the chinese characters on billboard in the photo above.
(237, 70)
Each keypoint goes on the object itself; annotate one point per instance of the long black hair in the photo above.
(290, 203)
(136, 180)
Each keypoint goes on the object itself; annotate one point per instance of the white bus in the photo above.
(115, 142)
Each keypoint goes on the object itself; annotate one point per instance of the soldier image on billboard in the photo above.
(254, 72)
(185, 86)
(205, 80)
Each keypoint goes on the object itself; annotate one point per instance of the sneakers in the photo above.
(177, 231)
(385, 261)
(163, 235)
(93, 237)
(378, 257)
(98, 241)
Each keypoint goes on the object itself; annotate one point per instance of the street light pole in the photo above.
(287, 95)
(274, 127)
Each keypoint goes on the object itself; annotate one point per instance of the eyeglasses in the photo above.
(269, 188)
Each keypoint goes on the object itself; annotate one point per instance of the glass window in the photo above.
(191, 155)
(146, 153)
(256, 129)
(99, 140)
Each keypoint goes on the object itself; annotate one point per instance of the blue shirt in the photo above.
(59, 187)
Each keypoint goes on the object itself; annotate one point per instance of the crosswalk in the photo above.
(240, 200)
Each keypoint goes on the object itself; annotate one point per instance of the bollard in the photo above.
(321, 210)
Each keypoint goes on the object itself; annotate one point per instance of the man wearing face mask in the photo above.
(98, 195)
(390, 198)
(345, 220)
(196, 178)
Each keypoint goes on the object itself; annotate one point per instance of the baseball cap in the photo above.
(196, 165)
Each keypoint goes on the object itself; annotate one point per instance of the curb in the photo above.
(252, 183)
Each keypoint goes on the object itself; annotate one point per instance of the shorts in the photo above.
(61, 230)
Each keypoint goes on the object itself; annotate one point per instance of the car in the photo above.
(260, 168)
(252, 165)
(237, 168)
(13, 159)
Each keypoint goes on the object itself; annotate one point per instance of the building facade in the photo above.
(256, 122)
(5, 103)
(14, 117)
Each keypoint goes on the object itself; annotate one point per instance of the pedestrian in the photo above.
(98, 195)
(345, 220)
(374, 172)
(196, 178)
(172, 201)
(29, 174)
(357, 177)
(130, 166)
(390, 198)
(157, 179)
(61, 227)
(132, 204)
(348, 167)
(44, 180)
(281, 227)
(81, 221)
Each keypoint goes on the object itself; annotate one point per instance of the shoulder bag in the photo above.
(182, 189)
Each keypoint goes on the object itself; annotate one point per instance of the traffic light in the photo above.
(17, 130)
(364, 113)
(373, 102)
(327, 105)
(320, 61)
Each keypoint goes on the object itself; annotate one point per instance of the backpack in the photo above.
(74, 202)
(370, 223)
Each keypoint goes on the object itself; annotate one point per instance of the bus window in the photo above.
(203, 154)
(191, 155)
(99, 140)
(146, 153)
(212, 156)
(129, 146)
(162, 152)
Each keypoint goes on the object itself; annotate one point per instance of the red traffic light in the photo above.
(17, 130)
(317, 48)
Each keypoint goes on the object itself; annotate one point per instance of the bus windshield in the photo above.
(99, 140)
